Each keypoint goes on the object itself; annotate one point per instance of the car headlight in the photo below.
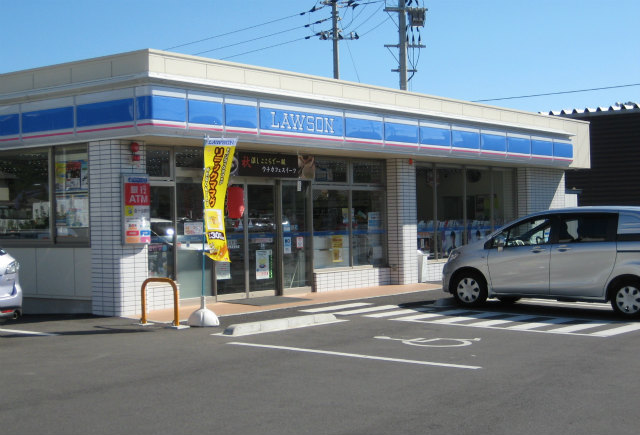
(13, 267)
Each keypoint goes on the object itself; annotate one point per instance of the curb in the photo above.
(279, 324)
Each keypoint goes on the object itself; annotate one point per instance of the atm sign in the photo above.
(136, 194)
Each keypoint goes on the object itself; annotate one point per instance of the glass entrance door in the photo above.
(262, 235)
(296, 237)
(252, 246)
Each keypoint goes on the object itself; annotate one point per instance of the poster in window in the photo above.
(263, 264)
(223, 270)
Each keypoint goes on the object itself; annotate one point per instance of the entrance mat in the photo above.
(266, 300)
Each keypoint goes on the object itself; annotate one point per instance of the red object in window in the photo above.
(235, 202)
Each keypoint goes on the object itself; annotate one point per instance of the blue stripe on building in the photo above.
(60, 118)
(105, 112)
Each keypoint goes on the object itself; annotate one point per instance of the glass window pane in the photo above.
(231, 276)
(24, 195)
(190, 158)
(450, 219)
(424, 209)
(72, 193)
(504, 200)
(331, 235)
(330, 170)
(533, 231)
(368, 171)
(480, 199)
(158, 163)
(296, 234)
(162, 233)
(368, 225)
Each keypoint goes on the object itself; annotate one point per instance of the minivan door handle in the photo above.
(564, 248)
(537, 249)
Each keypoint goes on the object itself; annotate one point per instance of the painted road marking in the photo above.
(456, 319)
(472, 318)
(578, 327)
(355, 355)
(399, 312)
(619, 330)
(419, 317)
(365, 310)
(335, 307)
(432, 342)
(17, 331)
(534, 325)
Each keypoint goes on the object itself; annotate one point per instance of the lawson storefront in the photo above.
(335, 185)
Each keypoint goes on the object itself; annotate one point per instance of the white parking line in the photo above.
(365, 310)
(429, 315)
(355, 355)
(457, 319)
(533, 325)
(400, 312)
(17, 331)
(619, 330)
(336, 307)
(578, 327)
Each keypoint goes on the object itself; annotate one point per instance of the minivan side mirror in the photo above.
(496, 242)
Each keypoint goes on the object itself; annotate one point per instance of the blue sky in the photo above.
(475, 50)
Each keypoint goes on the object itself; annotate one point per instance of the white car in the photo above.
(589, 254)
(10, 290)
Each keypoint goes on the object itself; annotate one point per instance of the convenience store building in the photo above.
(343, 185)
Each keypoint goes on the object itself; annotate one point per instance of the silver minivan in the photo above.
(574, 254)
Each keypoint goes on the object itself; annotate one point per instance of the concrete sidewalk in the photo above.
(222, 309)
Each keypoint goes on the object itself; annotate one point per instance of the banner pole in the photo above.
(203, 316)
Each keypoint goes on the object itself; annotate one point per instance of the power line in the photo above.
(265, 48)
(557, 93)
(262, 37)
(246, 28)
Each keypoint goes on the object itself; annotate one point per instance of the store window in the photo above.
(159, 162)
(190, 226)
(24, 195)
(460, 205)
(349, 213)
(161, 251)
(367, 231)
(72, 193)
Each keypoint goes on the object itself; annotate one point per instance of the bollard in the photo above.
(176, 316)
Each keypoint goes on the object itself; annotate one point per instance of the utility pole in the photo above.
(335, 34)
(417, 18)
(334, 20)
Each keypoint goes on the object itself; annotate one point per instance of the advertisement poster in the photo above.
(251, 164)
(336, 249)
(193, 229)
(218, 159)
(223, 270)
(136, 203)
(263, 264)
(287, 245)
(374, 221)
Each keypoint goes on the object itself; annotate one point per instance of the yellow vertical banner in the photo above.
(218, 159)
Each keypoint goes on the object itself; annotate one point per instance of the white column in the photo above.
(402, 221)
(117, 271)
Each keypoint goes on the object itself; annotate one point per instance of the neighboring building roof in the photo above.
(616, 108)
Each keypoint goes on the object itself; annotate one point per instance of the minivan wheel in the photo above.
(625, 298)
(469, 289)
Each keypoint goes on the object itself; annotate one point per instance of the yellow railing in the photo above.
(176, 315)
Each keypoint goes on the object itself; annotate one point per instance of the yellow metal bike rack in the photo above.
(176, 316)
